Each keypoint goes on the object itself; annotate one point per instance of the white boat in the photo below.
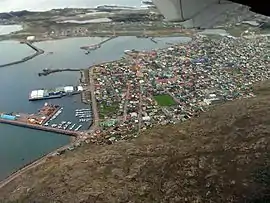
(72, 127)
(78, 128)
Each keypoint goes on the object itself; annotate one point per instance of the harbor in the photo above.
(22, 144)
(45, 116)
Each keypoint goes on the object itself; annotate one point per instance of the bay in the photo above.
(19, 146)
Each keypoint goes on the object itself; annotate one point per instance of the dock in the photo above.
(85, 95)
(40, 127)
(36, 121)
(37, 50)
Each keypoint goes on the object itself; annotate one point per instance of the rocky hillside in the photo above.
(222, 156)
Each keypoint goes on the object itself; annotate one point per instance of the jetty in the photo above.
(37, 52)
(153, 40)
(97, 46)
(47, 71)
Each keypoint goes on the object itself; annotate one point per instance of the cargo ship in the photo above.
(54, 93)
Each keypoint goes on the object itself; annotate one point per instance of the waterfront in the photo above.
(17, 81)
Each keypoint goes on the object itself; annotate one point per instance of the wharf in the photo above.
(37, 120)
(85, 95)
(40, 127)
(37, 50)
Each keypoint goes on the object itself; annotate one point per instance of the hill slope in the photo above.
(222, 156)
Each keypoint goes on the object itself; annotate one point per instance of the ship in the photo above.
(54, 93)
(147, 2)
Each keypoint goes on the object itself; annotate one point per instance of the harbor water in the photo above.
(19, 146)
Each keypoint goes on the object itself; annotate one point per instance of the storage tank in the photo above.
(30, 38)
(8, 117)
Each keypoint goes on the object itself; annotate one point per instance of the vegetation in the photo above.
(108, 110)
(164, 100)
(221, 156)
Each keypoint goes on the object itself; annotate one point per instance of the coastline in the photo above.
(73, 140)
(177, 32)
(43, 159)
(32, 164)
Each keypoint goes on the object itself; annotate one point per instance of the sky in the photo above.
(40, 5)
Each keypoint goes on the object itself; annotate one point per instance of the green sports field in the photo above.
(164, 100)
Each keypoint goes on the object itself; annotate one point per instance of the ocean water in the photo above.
(19, 146)
(7, 29)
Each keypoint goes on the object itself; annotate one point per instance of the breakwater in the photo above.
(46, 72)
(37, 52)
(97, 46)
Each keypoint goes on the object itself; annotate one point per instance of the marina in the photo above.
(40, 120)
(45, 116)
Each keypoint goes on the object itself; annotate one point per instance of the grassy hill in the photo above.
(222, 156)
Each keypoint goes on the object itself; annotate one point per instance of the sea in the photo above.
(19, 146)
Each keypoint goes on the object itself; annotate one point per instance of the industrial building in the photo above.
(54, 93)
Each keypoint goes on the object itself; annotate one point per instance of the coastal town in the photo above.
(145, 89)
(86, 93)
(171, 85)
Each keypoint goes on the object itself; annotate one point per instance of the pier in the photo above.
(36, 121)
(40, 127)
(153, 40)
(50, 71)
(37, 50)
(97, 46)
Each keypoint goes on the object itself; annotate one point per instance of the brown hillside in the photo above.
(222, 156)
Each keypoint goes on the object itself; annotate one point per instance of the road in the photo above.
(126, 102)
(95, 125)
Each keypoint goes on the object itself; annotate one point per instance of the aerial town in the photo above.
(115, 93)
(174, 84)
(145, 89)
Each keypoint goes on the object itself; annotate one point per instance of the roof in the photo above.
(37, 94)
